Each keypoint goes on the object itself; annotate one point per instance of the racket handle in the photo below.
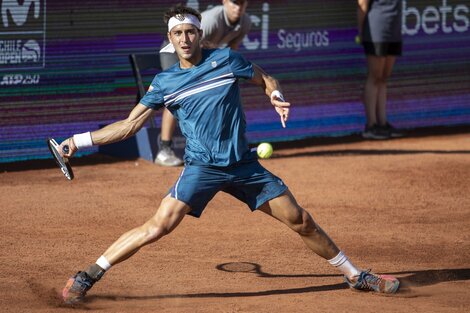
(65, 149)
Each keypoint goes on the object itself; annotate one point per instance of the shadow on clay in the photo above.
(410, 280)
(353, 152)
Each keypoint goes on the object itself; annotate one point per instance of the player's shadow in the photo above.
(432, 277)
(352, 152)
(254, 268)
(408, 279)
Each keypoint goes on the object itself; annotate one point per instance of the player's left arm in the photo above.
(273, 90)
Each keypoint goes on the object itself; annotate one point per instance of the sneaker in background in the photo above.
(375, 132)
(167, 157)
(392, 131)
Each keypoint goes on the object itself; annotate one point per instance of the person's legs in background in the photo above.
(386, 69)
(166, 156)
(375, 93)
(382, 120)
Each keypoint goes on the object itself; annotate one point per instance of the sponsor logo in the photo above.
(305, 40)
(432, 19)
(19, 79)
(180, 17)
(22, 34)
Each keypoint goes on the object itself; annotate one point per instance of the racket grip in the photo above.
(65, 149)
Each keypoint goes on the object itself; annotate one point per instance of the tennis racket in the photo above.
(62, 162)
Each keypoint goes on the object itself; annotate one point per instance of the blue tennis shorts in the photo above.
(247, 181)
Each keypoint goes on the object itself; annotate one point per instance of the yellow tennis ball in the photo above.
(264, 150)
(358, 40)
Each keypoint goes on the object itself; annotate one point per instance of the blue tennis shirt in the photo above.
(205, 99)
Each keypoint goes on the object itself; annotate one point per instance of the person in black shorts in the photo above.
(379, 26)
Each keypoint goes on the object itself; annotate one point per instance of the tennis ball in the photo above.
(264, 150)
(358, 39)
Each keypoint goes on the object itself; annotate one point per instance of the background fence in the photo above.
(64, 67)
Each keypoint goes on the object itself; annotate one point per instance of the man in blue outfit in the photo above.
(222, 26)
(202, 92)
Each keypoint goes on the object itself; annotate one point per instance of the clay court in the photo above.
(400, 207)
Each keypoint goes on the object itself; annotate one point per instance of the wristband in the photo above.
(276, 93)
(103, 263)
(82, 140)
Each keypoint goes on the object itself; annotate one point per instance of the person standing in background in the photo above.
(379, 28)
(222, 26)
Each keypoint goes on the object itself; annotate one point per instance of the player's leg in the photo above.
(262, 190)
(169, 214)
(285, 209)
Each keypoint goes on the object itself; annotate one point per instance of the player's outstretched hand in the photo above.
(67, 148)
(282, 108)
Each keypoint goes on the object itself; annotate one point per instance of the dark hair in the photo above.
(180, 9)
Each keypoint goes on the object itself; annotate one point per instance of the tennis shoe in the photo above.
(77, 287)
(375, 132)
(367, 281)
(392, 131)
(167, 157)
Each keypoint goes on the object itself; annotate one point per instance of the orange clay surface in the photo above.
(400, 207)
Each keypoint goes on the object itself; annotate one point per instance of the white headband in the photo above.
(178, 20)
(183, 19)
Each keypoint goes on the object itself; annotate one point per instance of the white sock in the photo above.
(342, 263)
(103, 263)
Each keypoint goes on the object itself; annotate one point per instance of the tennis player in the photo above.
(222, 26)
(203, 93)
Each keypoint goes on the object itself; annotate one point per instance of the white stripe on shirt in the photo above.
(200, 87)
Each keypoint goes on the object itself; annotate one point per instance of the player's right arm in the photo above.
(113, 132)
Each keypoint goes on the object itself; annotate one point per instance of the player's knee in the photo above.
(163, 223)
(154, 230)
(308, 227)
(304, 224)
